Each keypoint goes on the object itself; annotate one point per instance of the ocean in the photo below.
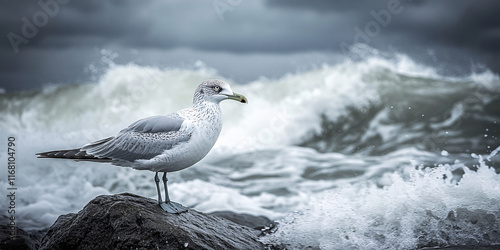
(378, 153)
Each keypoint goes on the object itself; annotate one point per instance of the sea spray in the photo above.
(424, 207)
(343, 134)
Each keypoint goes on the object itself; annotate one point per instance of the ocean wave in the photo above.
(424, 207)
(347, 107)
(303, 135)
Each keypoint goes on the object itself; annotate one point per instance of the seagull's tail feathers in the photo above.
(77, 154)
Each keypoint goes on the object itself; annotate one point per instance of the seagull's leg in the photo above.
(170, 206)
(157, 181)
(165, 179)
(166, 206)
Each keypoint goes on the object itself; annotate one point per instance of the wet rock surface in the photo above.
(21, 240)
(257, 223)
(127, 221)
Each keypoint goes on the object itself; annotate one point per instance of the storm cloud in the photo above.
(242, 39)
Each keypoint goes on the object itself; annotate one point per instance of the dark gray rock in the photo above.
(22, 239)
(256, 222)
(127, 221)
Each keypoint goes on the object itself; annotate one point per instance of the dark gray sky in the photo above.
(243, 39)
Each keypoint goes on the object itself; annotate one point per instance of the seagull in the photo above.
(166, 143)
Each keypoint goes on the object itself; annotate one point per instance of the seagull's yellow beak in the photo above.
(237, 97)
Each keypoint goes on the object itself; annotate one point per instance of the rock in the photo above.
(22, 240)
(256, 222)
(127, 221)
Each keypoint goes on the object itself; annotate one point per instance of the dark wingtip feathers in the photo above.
(74, 154)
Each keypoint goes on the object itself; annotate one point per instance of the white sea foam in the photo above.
(427, 206)
(254, 167)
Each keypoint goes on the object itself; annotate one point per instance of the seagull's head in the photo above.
(216, 91)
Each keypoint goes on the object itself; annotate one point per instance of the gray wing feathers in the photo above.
(143, 139)
(156, 124)
(75, 154)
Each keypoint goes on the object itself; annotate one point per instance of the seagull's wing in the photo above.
(155, 124)
(143, 139)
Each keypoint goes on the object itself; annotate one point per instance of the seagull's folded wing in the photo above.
(143, 139)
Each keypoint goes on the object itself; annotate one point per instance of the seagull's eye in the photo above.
(217, 88)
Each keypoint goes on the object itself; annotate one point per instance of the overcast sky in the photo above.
(56, 42)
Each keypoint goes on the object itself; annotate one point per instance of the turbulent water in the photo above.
(382, 153)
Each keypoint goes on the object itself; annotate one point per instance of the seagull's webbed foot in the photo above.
(168, 206)
(173, 207)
